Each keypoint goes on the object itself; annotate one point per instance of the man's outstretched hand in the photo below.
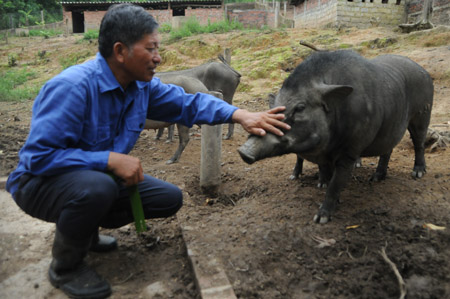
(259, 123)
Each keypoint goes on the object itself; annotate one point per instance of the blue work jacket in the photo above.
(83, 114)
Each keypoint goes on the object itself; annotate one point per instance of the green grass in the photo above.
(74, 58)
(45, 33)
(192, 27)
(13, 85)
(90, 34)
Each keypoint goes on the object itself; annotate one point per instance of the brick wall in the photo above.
(440, 15)
(249, 18)
(251, 15)
(204, 14)
(316, 13)
(321, 13)
(92, 19)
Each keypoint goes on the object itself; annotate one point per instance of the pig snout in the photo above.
(257, 148)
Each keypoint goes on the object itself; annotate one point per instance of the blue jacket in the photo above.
(83, 113)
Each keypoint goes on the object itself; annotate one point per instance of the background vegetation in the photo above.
(18, 13)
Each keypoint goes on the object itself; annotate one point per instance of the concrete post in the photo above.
(277, 14)
(211, 152)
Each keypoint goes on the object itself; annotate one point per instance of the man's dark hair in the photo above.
(126, 23)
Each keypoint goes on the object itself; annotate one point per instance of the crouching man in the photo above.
(85, 122)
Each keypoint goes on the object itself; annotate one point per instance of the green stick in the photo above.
(136, 207)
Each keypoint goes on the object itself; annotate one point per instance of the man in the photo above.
(85, 122)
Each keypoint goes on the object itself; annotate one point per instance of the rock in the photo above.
(157, 290)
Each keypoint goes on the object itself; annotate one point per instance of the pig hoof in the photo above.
(417, 174)
(377, 177)
(322, 185)
(321, 219)
(292, 177)
(170, 162)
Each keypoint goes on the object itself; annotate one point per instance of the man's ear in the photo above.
(120, 51)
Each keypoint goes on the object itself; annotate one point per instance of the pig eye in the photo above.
(300, 108)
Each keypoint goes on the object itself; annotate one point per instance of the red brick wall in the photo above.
(249, 18)
(92, 19)
(204, 14)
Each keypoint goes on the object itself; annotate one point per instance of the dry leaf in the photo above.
(433, 227)
(352, 226)
(323, 242)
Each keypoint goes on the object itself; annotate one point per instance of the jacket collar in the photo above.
(107, 80)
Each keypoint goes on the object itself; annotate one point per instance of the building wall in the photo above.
(92, 19)
(321, 13)
(248, 18)
(316, 13)
(440, 15)
(204, 15)
(251, 15)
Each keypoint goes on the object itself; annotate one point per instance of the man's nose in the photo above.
(157, 58)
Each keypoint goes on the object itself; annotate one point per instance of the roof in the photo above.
(155, 4)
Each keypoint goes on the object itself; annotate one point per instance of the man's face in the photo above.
(143, 58)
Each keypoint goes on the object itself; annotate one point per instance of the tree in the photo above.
(424, 22)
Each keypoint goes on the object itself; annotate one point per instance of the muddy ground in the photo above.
(260, 226)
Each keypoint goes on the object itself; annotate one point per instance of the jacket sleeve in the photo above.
(171, 104)
(56, 128)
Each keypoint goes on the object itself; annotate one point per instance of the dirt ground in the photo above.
(260, 226)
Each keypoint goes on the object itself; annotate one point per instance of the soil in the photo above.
(260, 225)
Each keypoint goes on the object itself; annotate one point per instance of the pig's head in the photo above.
(310, 111)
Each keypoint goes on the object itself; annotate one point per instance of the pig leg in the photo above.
(325, 175)
(418, 134)
(341, 175)
(159, 134)
(298, 169)
(171, 130)
(380, 173)
(183, 135)
(230, 132)
(358, 163)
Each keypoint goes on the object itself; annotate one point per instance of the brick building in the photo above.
(365, 13)
(80, 16)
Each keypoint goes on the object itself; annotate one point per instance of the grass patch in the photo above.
(192, 27)
(13, 85)
(74, 58)
(437, 40)
(46, 33)
(90, 35)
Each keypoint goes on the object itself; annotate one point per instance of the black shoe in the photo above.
(69, 273)
(81, 282)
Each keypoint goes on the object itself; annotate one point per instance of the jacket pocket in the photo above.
(96, 139)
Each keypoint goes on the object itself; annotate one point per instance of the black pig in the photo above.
(342, 106)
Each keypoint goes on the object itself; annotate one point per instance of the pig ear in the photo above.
(331, 93)
(335, 91)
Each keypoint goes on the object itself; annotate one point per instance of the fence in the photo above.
(30, 18)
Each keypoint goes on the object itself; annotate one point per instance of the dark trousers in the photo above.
(81, 201)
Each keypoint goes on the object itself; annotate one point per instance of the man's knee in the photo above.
(99, 190)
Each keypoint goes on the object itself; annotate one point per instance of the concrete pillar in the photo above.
(277, 14)
(211, 152)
